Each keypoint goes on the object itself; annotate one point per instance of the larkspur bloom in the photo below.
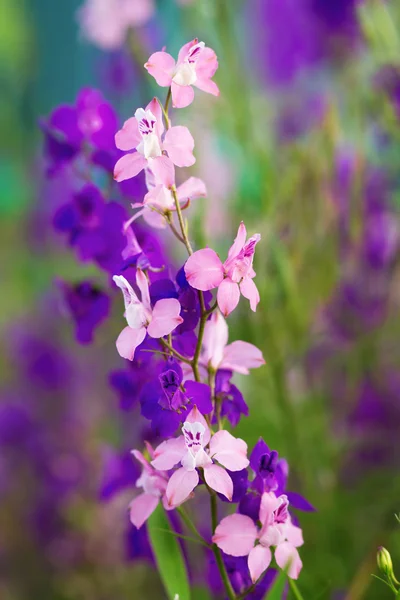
(196, 66)
(142, 318)
(88, 305)
(159, 201)
(190, 451)
(237, 534)
(205, 271)
(142, 136)
(105, 23)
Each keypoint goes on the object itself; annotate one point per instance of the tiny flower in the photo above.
(205, 271)
(142, 136)
(237, 534)
(196, 66)
(142, 318)
(197, 449)
(218, 354)
(154, 484)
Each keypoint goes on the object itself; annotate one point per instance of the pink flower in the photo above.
(236, 535)
(218, 354)
(159, 200)
(205, 271)
(154, 484)
(143, 135)
(141, 317)
(105, 23)
(190, 451)
(196, 65)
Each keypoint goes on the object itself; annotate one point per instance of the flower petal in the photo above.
(294, 534)
(206, 64)
(235, 535)
(182, 95)
(204, 270)
(129, 136)
(228, 296)
(215, 339)
(286, 554)
(163, 170)
(231, 452)
(128, 340)
(191, 188)
(258, 561)
(180, 486)
(206, 85)
(161, 66)
(179, 144)
(195, 416)
(218, 479)
(239, 242)
(242, 356)
(143, 285)
(129, 166)
(169, 453)
(165, 317)
(154, 107)
(141, 508)
(250, 291)
(145, 464)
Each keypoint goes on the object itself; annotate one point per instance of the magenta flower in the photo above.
(196, 66)
(142, 318)
(204, 271)
(142, 136)
(237, 534)
(218, 354)
(190, 451)
(154, 484)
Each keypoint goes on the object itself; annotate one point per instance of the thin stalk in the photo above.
(187, 538)
(295, 589)
(190, 525)
(175, 353)
(216, 550)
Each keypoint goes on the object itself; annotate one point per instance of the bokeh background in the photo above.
(304, 146)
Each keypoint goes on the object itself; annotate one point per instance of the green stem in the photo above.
(190, 525)
(177, 354)
(216, 550)
(295, 589)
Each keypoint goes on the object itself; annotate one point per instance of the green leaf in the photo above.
(168, 555)
(275, 593)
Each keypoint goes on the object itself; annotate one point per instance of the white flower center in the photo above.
(150, 144)
(195, 456)
(185, 73)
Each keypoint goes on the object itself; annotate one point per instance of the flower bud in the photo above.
(385, 564)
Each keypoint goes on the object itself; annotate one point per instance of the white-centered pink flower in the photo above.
(196, 66)
(143, 137)
(197, 449)
(158, 321)
(217, 354)
(204, 271)
(105, 23)
(153, 483)
(159, 200)
(237, 535)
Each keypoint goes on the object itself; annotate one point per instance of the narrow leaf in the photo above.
(275, 593)
(168, 555)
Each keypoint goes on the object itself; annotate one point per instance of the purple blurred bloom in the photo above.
(233, 405)
(120, 471)
(88, 305)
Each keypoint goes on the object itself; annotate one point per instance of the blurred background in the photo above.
(303, 144)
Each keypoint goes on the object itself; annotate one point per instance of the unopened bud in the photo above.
(385, 564)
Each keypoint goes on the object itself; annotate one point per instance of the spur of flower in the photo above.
(204, 271)
(142, 136)
(237, 535)
(196, 66)
(198, 449)
(142, 318)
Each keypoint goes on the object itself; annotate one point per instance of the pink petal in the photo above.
(141, 508)
(154, 219)
(294, 535)
(239, 242)
(184, 51)
(242, 356)
(228, 296)
(129, 136)
(155, 108)
(250, 291)
(129, 166)
(161, 66)
(269, 502)
(128, 340)
(169, 453)
(206, 85)
(195, 416)
(180, 486)
(191, 188)
(206, 64)
(231, 452)
(218, 479)
(163, 170)
(286, 554)
(145, 463)
(258, 561)
(179, 144)
(215, 339)
(182, 95)
(165, 317)
(204, 270)
(236, 535)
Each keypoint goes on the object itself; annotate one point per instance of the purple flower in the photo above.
(120, 471)
(88, 305)
(232, 402)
